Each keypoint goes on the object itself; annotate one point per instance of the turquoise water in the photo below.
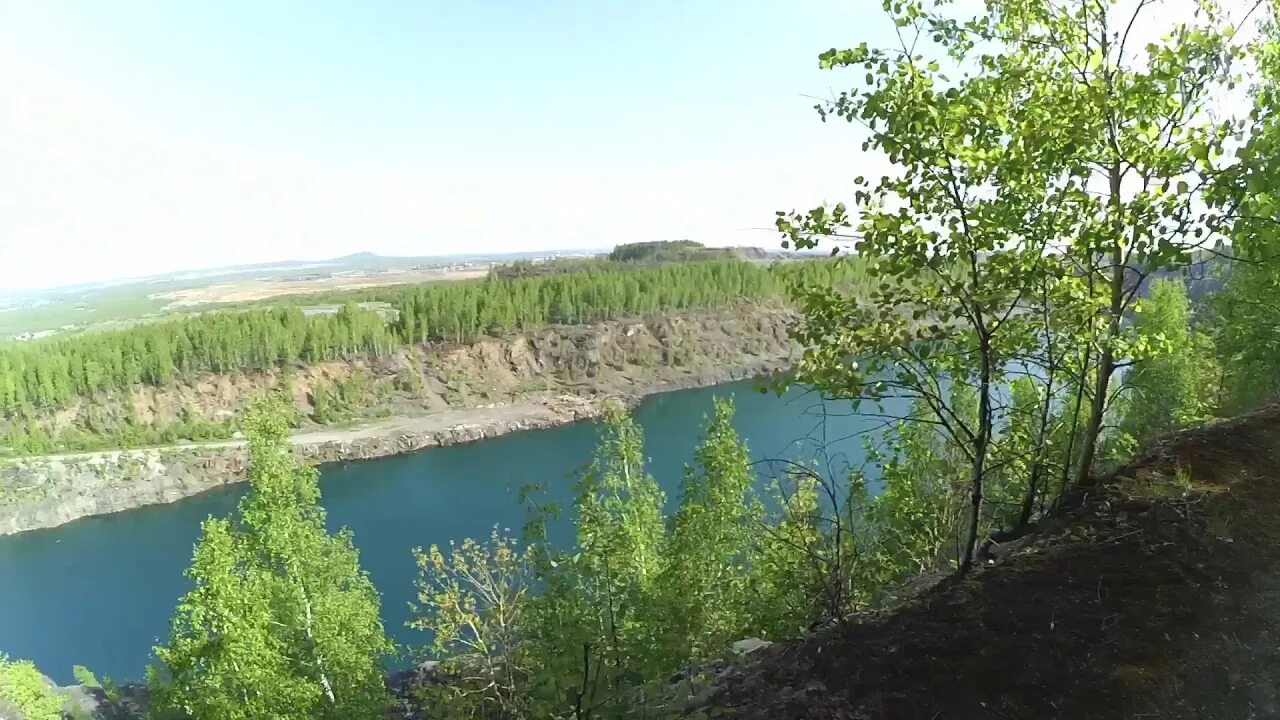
(99, 592)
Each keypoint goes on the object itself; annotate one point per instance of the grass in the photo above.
(91, 308)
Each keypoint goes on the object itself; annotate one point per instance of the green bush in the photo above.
(22, 686)
(85, 676)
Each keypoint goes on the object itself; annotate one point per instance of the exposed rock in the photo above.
(750, 645)
(549, 377)
(83, 702)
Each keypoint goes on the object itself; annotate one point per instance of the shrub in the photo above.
(23, 687)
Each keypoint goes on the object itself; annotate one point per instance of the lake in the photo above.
(99, 592)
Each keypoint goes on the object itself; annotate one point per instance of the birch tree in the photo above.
(1038, 156)
(282, 622)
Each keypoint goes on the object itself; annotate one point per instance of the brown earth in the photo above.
(1156, 596)
(606, 357)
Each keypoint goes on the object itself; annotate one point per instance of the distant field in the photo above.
(254, 290)
(91, 306)
(124, 303)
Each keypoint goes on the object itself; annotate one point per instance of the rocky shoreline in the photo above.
(46, 492)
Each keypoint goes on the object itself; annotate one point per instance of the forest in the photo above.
(55, 371)
(1019, 279)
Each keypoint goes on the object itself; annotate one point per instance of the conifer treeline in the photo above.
(51, 372)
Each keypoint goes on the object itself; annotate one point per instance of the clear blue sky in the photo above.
(138, 137)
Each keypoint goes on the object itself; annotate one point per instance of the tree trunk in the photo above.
(980, 445)
(1106, 361)
(1038, 465)
(324, 677)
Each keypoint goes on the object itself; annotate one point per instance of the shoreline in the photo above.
(48, 491)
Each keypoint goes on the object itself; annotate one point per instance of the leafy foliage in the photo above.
(593, 618)
(1172, 387)
(706, 587)
(473, 601)
(1013, 236)
(25, 689)
(1247, 311)
(920, 507)
(282, 622)
(85, 676)
(639, 598)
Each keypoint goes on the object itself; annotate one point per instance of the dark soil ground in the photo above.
(1157, 596)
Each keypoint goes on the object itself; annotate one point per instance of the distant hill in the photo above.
(681, 250)
(285, 269)
(1204, 276)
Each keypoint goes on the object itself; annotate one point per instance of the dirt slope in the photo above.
(1148, 600)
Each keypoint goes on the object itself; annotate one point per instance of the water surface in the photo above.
(100, 592)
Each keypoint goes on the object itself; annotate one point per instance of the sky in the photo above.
(143, 137)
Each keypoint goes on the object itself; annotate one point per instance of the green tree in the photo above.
(473, 601)
(917, 517)
(1044, 162)
(1149, 148)
(1169, 388)
(85, 676)
(25, 690)
(1248, 308)
(958, 239)
(619, 506)
(591, 625)
(282, 622)
(788, 592)
(706, 582)
(1248, 335)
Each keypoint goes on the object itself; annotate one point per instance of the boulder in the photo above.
(750, 645)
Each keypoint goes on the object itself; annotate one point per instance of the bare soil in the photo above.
(1149, 599)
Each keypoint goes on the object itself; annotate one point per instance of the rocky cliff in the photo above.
(423, 397)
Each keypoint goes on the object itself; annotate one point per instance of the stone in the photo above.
(750, 645)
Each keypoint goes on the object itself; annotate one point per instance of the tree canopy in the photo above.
(55, 371)
(282, 623)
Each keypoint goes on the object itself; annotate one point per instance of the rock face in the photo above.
(45, 492)
(434, 376)
(469, 392)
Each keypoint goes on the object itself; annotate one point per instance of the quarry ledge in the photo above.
(49, 491)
